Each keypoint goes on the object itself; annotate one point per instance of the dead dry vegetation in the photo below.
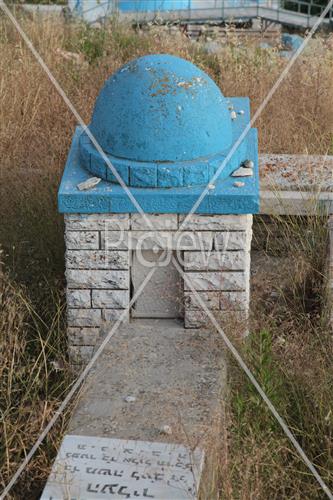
(290, 348)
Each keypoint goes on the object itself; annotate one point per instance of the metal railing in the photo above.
(310, 9)
(292, 12)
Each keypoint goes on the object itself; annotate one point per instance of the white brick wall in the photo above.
(221, 276)
(160, 222)
(214, 251)
(112, 299)
(86, 278)
(97, 259)
(82, 240)
(216, 261)
(97, 281)
(199, 222)
(79, 298)
(224, 281)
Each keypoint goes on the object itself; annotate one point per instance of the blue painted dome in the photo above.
(160, 108)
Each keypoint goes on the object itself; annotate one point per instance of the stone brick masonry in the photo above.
(213, 250)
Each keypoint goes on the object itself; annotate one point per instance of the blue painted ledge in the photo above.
(108, 197)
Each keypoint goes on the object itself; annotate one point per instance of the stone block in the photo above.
(224, 301)
(232, 240)
(159, 222)
(80, 354)
(78, 336)
(110, 315)
(84, 317)
(114, 299)
(210, 299)
(149, 240)
(115, 240)
(199, 319)
(96, 222)
(112, 280)
(78, 298)
(196, 319)
(234, 301)
(76, 240)
(97, 259)
(216, 261)
(226, 281)
(197, 222)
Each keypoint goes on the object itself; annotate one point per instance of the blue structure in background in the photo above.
(152, 5)
(291, 41)
(95, 10)
(167, 128)
(186, 11)
(91, 10)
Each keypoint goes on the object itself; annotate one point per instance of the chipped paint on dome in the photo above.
(161, 108)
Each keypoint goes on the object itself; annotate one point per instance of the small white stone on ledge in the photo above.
(88, 184)
(242, 172)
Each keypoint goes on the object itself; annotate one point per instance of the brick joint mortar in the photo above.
(98, 281)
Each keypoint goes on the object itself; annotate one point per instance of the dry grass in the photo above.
(35, 134)
(290, 351)
(34, 378)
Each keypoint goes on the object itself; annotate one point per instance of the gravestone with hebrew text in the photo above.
(89, 468)
(162, 139)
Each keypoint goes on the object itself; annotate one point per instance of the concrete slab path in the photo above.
(156, 381)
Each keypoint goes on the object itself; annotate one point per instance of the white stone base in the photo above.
(213, 251)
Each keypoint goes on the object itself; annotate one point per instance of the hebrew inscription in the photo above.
(88, 468)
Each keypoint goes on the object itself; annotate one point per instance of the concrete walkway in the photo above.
(156, 381)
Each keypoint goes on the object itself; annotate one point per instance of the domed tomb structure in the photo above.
(162, 122)
(163, 140)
